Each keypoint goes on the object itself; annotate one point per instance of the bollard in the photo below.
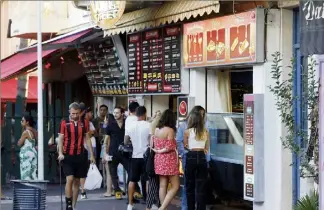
(29, 194)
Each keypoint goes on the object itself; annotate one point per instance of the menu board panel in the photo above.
(154, 59)
(134, 64)
(172, 59)
(224, 40)
(152, 63)
(104, 71)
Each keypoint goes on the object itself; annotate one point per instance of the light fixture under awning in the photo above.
(167, 13)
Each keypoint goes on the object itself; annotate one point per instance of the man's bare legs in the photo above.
(131, 191)
(82, 182)
(76, 187)
(68, 191)
(175, 184)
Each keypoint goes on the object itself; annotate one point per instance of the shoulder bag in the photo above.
(149, 157)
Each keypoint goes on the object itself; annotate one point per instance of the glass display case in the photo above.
(227, 154)
(226, 137)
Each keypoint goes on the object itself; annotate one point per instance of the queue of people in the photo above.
(111, 139)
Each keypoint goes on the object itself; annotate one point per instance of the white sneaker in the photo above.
(130, 207)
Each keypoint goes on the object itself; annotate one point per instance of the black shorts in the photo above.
(137, 170)
(75, 165)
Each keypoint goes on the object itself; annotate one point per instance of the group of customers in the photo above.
(114, 139)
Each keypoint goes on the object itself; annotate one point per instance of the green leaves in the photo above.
(285, 100)
(308, 202)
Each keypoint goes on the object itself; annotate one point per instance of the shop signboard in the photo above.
(311, 27)
(248, 147)
(253, 147)
(154, 61)
(105, 14)
(228, 40)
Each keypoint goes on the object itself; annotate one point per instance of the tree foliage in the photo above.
(286, 101)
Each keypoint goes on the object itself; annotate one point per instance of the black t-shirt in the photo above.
(116, 134)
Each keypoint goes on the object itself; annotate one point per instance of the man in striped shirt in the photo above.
(71, 153)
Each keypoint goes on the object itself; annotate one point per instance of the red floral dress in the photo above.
(166, 163)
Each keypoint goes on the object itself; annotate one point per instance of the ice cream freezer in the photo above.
(227, 154)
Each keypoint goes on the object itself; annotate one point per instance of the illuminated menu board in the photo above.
(154, 59)
(134, 64)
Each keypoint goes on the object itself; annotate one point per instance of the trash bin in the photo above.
(29, 194)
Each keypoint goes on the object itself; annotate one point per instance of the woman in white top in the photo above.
(196, 141)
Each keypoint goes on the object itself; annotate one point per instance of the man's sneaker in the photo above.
(137, 195)
(130, 207)
(84, 195)
(119, 195)
(68, 204)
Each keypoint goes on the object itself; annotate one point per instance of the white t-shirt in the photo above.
(139, 133)
(130, 121)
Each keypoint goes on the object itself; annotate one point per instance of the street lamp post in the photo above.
(40, 94)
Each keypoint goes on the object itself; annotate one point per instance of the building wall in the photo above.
(57, 15)
(277, 166)
(8, 46)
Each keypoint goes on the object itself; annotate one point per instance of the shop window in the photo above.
(241, 83)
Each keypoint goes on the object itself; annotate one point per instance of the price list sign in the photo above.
(154, 61)
(152, 65)
(248, 147)
(172, 59)
(134, 64)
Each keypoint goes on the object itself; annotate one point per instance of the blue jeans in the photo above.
(184, 205)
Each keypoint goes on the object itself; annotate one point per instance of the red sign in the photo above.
(221, 41)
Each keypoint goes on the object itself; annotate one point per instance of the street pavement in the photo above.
(95, 201)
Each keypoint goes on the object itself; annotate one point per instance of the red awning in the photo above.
(9, 90)
(14, 64)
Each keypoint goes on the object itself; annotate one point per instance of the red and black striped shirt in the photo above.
(74, 132)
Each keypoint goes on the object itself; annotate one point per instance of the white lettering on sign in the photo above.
(313, 11)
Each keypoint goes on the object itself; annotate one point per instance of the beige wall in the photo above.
(56, 15)
(8, 46)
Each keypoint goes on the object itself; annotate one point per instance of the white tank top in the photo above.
(193, 143)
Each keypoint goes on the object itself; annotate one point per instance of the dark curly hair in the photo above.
(167, 120)
(29, 119)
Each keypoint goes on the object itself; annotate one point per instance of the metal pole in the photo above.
(40, 94)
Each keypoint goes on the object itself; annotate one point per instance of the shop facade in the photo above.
(213, 66)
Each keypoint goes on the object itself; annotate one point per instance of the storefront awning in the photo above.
(27, 58)
(9, 90)
(169, 12)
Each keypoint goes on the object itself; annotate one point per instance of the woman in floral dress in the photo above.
(28, 153)
(166, 163)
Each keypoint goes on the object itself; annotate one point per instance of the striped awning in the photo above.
(169, 12)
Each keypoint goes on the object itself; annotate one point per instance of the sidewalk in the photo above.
(95, 201)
